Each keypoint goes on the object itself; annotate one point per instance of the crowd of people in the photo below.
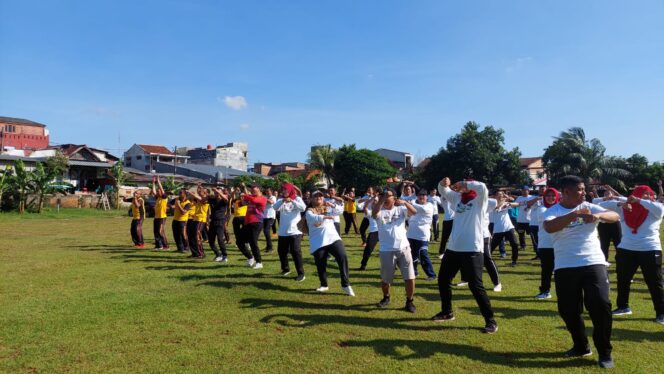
(570, 230)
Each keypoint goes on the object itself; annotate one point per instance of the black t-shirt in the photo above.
(218, 209)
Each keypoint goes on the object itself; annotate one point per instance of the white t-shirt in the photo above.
(502, 221)
(544, 239)
(534, 220)
(448, 213)
(269, 211)
(469, 219)
(373, 226)
(419, 224)
(409, 198)
(338, 204)
(647, 235)
(524, 212)
(488, 216)
(289, 213)
(392, 228)
(434, 201)
(577, 244)
(322, 231)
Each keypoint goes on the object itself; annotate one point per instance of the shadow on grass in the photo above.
(636, 335)
(511, 313)
(402, 349)
(256, 303)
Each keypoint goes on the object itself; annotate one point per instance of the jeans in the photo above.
(420, 254)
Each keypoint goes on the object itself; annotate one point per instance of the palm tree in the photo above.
(20, 182)
(5, 182)
(42, 182)
(322, 158)
(572, 153)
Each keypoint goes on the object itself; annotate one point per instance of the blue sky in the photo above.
(284, 75)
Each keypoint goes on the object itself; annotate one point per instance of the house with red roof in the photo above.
(145, 157)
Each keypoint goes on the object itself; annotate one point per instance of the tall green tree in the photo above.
(5, 181)
(477, 154)
(572, 153)
(20, 182)
(57, 165)
(361, 168)
(42, 183)
(119, 178)
(322, 158)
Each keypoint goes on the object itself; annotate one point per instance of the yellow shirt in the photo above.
(160, 207)
(201, 212)
(240, 210)
(350, 206)
(177, 216)
(138, 212)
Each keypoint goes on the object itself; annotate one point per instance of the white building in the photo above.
(232, 155)
(145, 157)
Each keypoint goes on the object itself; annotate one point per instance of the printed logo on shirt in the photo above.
(460, 208)
(388, 217)
(578, 222)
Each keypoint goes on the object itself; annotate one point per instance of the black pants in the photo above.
(509, 235)
(216, 235)
(194, 230)
(364, 226)
(180, 235)
(489, 264)
(238, 223)
(627, 262)
(337, 251)
(250, 234)
(501, 246)
(522, 228)
(290, 244)
(349, 219)
(160, 240)
(534, 236)
(275, 222)
(337, 226)
(136, 231)
(435, 227)
(470, 264)
(589, 286)
(447, 231)
(372, 240)
(267, 228)
(546, 265)
(608, 232)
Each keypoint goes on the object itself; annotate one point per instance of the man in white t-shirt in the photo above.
(390, 215)
(435, 201)
(523, 218)
(419, 233)
(580, 269)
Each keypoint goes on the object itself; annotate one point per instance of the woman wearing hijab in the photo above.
(289, 208)
(640, 246)
(545, 244)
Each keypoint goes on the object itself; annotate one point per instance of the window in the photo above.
(10, 128)
(139, 157)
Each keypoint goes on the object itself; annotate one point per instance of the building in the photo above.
(145, 157)
(232, 156)
(208, 173)
(22, 134)
(400, 160)
(294, 169)
(535, 168)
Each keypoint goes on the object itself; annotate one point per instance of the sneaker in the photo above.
(490, 328)
(606, 362)
(322, 289)
(218, 259)
(141, 246)
(543, 296)
(300, 278)
(384, 302)
(157, 248)
(443, 317)
(660, 319)
(348, 290)
(440, 257)
(285, 273)
(622, 312)
(431, 278)
(462, 284)
(362, 268)
(410, 307)
(513, 264)
(258, 265)
(224, 259)
(498, 287)
(251, 262)
(574, 352)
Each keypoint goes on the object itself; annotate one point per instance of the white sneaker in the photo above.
(498, 287)
(258, 265)
(348, 290)
(218, 259)
(440, 257)
(322, 289)
(251, 262)
(224, 259)
(543, 296)
(462, 284)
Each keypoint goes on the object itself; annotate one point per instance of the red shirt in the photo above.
(255, 208)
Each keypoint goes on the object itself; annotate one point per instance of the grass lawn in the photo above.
(75, 296)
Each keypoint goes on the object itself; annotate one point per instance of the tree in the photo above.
(322, 158)
(361, 168)
(42, 183)
(119, 177)
(572, 153)
(171, 186)
(20, 182)
(478, 155)
(57, 165)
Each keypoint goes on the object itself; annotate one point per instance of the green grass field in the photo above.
(76, 297)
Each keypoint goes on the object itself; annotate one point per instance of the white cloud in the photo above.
(234, 102)
(245, 126)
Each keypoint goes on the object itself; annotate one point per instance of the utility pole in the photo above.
(2, 140)
(175, 160)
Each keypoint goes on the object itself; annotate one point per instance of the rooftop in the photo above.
(20, 121)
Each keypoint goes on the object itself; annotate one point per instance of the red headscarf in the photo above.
(291, 192)
(556, 193)
(468, 195)
(637, 215)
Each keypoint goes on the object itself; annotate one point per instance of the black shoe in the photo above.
(575, 352)
(490, 328)
(513, 264)
(606, 362)
(410, 307)
(362, 268)
(443, 317)
(385, 302)
(535, 258)
(300, 278)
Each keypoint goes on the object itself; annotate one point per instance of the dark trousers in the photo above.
(546, 265)
(534, 236)
(523, 229)
(435, 227)
(216, 236)
(627, 262)
(290, 244)
(470, 264)
(501, 246)
(337, 226)
(194, 230)
(267, 228)
(275, 222)
(372, 240)
(419, 250)
(337, 251)
(608, 232)
(250, 234)
(136, 231)
(349, 219)
(180, 235)
(160, 240)
(238, 223)
(489, 264)
(364, 226)
(447, 231)
(589, 286)
(511, 238)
